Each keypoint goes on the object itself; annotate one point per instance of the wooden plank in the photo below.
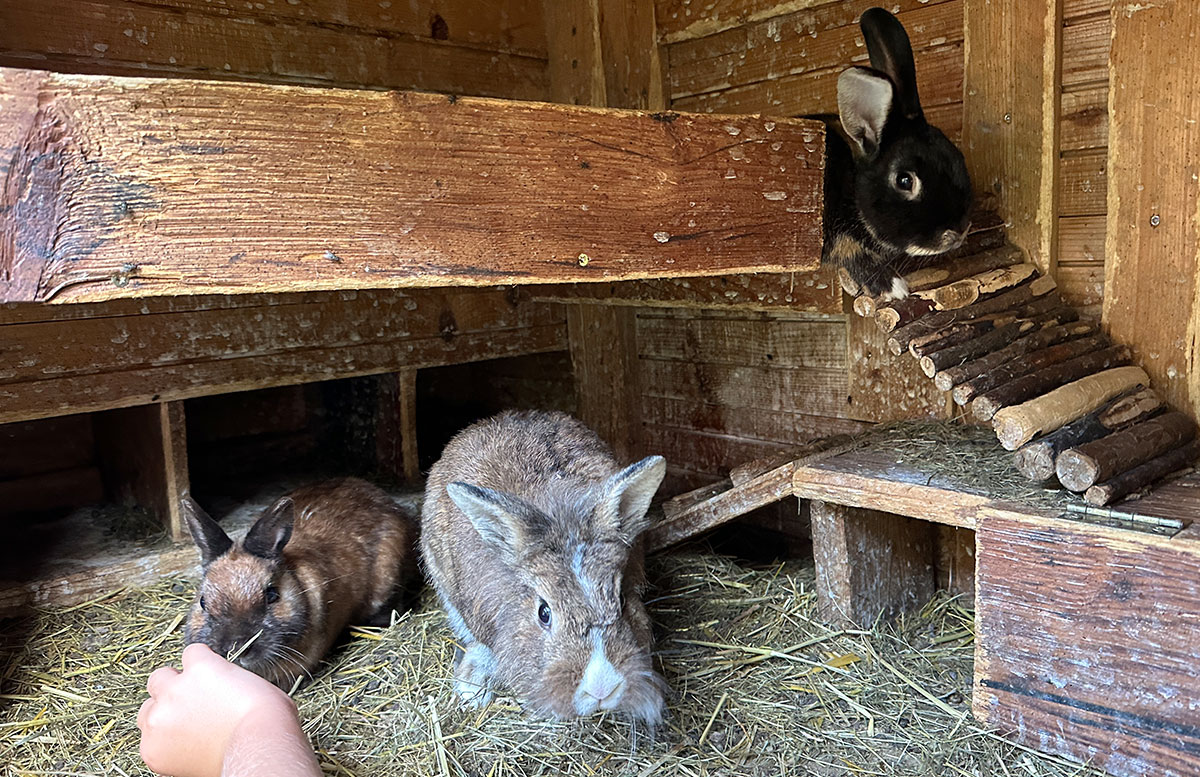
(707, 452)
(1086, 643)
(685, 19)
(396, 426)
(1081, 240)
(826, 37)
(1083, 118)
(87, 393)
(886, 387)
(778, 426)
(956, 563)
(1074, 10)
(513, 26)
(1010, 113)
(53, 490)
(1081, 286)
(1085, 52)
(603, 344)
(117, 37)
(143, 454)
(721, 508)
(811, 291)
(136, 187)
(813, 391)
(1150, 287)
(768, 342)
(1083, 183)
(870, 565)
(37, 447)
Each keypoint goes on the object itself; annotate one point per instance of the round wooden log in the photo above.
(952, 335)
(973, 349)
(1025, 364)
(849, 285)
(1013, 298)
(1142, 475)
(1029, 386)
(865, 305)
(951, 377)
(901, 312)
(1035, 460)
(1081, 468)
(1019, 424)
(963, 292)
(948, 272)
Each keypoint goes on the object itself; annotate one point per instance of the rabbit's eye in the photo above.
(544, 613)
(271, 594)
(904, 182)
(203, 604)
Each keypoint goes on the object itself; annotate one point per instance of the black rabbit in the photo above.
(896, 188)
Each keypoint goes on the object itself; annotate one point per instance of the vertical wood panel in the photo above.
(1154, 194)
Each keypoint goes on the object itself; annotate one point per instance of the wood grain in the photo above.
(1150, 286)
(1086, 642)
(1085, 465)
(1143, 475)
(884, 386)
(870, 564)
(396, 426)
(986, 405)
(121, 187)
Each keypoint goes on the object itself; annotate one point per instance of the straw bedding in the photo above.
(760, 687)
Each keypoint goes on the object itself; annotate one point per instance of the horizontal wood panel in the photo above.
(131, 187)
(55, 490)
(761, 343)
(809, 391)
(701, 452)
(686, 19)
(86, 393)
(81, 347)
(512, 25)
(1087, 642)
(1084, 115)
(126, 38)
(780, 426)
(1083, 184)
(1085, 52)
(1081, 285)
(37, 447)
(800, 43)
(1075, 9)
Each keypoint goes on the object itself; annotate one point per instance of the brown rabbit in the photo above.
(322, 557)
(530, 536)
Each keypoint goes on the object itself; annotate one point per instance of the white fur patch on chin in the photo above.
(899, 289)
(602, 685)
(472, 676)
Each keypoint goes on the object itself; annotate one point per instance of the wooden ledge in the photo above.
(135, 187)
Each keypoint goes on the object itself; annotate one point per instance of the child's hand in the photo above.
(191, 716)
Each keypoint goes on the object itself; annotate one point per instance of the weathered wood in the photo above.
(603, 344)
(1084, 466)
(956, 563)
(129, 359)
(1013, 300)
(1010, 112)
(396, 426)
(1083, 117)
(52, 490)
(1086, 642)
(1019, 424)
(37, 447)
(1150, 285)
(701, 514)
(407, 208)
(813, 391)
(870, 565)
(985, 406)
(951, 335)
(963, 292)
(1024, 364)
(986, 343)
(1036, 460)
(964, 263)
(1043, 338)
(1082, 181)
(811, 291)
(1143, 475)
(902, 312)
(787, 425)
(143, 455)
(342, 42)
(718, 337)
(884, 386)
(1085, 48)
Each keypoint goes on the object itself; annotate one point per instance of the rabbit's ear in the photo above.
(210, 538)
(629, 494)
(891, 53)
(507, 523)
(864, 104)
(271, 532)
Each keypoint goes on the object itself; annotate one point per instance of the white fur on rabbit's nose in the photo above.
(602, 685)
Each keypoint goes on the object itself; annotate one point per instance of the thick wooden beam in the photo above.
(1153, 268)
(143, 455)
(396, 426)
(1010, 114)
(603, 344)
(1086, 642)
(121, 187)
(870, 564)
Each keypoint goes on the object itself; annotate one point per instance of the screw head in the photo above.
(1155, 220)
(583, 260)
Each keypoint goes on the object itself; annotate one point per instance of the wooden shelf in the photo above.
(135, 187)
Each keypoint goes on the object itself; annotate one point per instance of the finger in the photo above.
(143, 716)
(197, 652)
(159, 679)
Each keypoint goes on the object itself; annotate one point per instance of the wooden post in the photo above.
(1150, 283)
(143, 457)
(1013, 51)
(396, 426)
(870, 564)
(605, 52)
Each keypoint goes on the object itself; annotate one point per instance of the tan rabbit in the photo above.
(530, 536)
(317, 560)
